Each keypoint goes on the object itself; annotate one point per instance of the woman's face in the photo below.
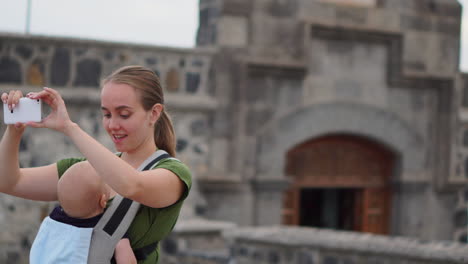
(124, 118)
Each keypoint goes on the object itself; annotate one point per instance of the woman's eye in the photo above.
(106, 115)
(125, 116)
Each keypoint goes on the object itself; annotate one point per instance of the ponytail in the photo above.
(164, 134)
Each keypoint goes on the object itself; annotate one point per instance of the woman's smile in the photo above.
(118, 138)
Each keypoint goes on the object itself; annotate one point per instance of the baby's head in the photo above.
(81, 192)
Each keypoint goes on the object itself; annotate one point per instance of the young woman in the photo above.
(133, 115)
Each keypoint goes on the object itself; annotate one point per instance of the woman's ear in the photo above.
(156, 113)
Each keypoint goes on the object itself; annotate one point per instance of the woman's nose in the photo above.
(113, 123)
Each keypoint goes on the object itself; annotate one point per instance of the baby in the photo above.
(65, 235)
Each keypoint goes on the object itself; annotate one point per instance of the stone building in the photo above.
(342, 114)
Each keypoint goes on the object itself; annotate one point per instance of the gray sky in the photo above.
(158, 22)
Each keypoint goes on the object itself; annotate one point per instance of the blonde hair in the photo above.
(148, 84)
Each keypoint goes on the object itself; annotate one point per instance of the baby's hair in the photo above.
(80, 190)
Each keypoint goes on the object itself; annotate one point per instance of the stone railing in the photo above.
(197, 240)
(318, 246)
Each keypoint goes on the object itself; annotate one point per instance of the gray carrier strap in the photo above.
(116, 219)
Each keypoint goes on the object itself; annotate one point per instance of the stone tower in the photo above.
(341, 114)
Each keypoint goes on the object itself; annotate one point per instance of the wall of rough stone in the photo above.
(75, 68)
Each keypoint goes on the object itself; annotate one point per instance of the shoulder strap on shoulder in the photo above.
(116, 220)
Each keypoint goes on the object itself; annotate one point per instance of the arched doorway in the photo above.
(340, 182)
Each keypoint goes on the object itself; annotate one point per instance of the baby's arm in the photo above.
(124, 253)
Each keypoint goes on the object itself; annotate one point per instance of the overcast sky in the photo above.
(161, 22)
(158, 22)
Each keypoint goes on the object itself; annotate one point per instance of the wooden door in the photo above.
(290, 211)
(375, 211)
(341, 161)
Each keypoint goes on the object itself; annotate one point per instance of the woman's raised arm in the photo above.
(156, 188)
(35, 183)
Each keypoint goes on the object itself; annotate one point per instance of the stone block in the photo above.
(60, 67)
(278, 8)
(314, 11)
(192, 82)
(452, 9)
(10, 71)
(355, 3)
(88, 73)
(417, 46)
(351, 15)
(416, 22)
(461, 218)
(256, 119)
(219, 148)
(445, 62)
(172, 80)
(181, 145)
(24, 51)
(447, 27)
(348, 89)
(383, 19)
(35, 74)
(305, 257)
(237, 7)
(199, 127)
(232, 31)
(281, 39)
(257, 89)
(151, 61)
(466, 168)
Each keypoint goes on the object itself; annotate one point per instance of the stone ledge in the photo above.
(445, 251)
(200, 225)
(48, 39)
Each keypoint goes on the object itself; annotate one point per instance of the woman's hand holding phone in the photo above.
(58, 119)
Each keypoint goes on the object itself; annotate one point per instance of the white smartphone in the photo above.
(26, 110)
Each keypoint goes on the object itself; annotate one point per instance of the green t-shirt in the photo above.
(150, 224)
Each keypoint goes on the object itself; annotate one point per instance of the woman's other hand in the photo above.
(12, 99)
(58, 118)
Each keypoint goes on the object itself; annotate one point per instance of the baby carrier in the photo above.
(60, 242)
(116, 221)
